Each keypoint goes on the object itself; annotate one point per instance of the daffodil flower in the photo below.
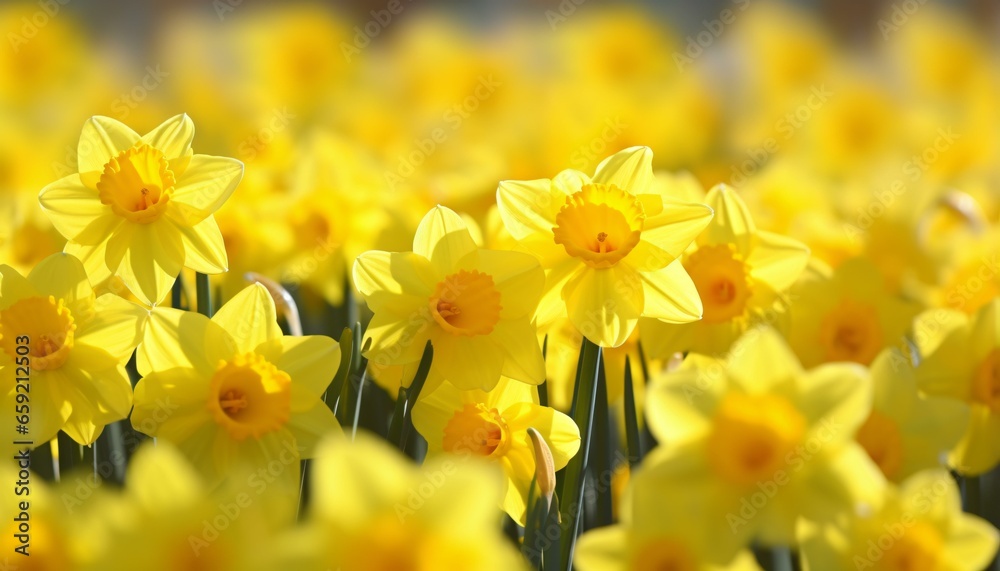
(758, 442)
(847, 316)
(474, 305)
(661, 528)
(908, 431)
(739, 272)
(918, 526)
(374, 511)
(494, 425)
(141, 207)
(961, 359)
(70, 348)
(608, 245)
(233, 390)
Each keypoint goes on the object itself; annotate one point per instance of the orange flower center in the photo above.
(752, 435)
(881, 438)
(466, 303)
(918, 549)
(851, 332)
(477, 429)
(600, 224)
(136, 184)
(723, 282)
(42, 324)
(249, 396)
(663, 554)
(986, 384)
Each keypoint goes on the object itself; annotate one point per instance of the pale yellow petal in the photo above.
(670, 295)
(204, 248)
(443, 238)
(630, 169)
(71, 206)
(250, 318)
(172, 137)
(205, 185)
(605, 304)
(102, 139)
(777, 260)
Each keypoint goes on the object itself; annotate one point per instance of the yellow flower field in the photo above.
(406, 285)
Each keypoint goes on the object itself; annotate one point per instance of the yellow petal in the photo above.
(839, 394)
(605, 304)
(517, 276)
(630, 169)
(172, 404)
(71, 206)
(602, 549)
(777, 260)
(443, 238)
(528, 207)
(731, 224)
(116, 326)
(160, 479)
(468, 362)
(182, 339)
(761, 359)
(680, 405)
(312, 425)
(979, 449)
(172, 137)
(665, 236)
(310, 361)
(560, 431)
(377, 273)
(972, 542)
(93, 259)
(250, 318)
(64, 277)
(519, 342)
(552, 305)
(670, 295)
(13, 287)
(204, 248)
(153, 256)
(205, 185)
(96, 396)
(102, 139)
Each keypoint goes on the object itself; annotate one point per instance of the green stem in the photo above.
(399, 426)
(632, 438)
(332, 395)
(583, 414)
(973, 496)
(204, 295)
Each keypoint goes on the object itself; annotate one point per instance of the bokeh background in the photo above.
(855, 126)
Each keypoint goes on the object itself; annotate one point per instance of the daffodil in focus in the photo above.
(739, 272)
(141, 207)
(494, 425)
(906, 431)
(167, 518)
(757, 441)
(232, 390)
(961, 359)
(848, 315)
(916, 527)
(474, 305)
(662, 528)
(70, 348)
(608, 245)
(375, 511)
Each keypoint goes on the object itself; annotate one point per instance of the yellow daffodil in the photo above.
(919, 526)
(739, 272)
(232, 389)
(375, 511)
(961, 359)
(608, 245)
(474, 305)
(973, 274)
(907, 432)
(167, 518)
(661, 529)
(847, 316)
(757, 442)
(141, 207)
(495, 425)
(70, 349)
